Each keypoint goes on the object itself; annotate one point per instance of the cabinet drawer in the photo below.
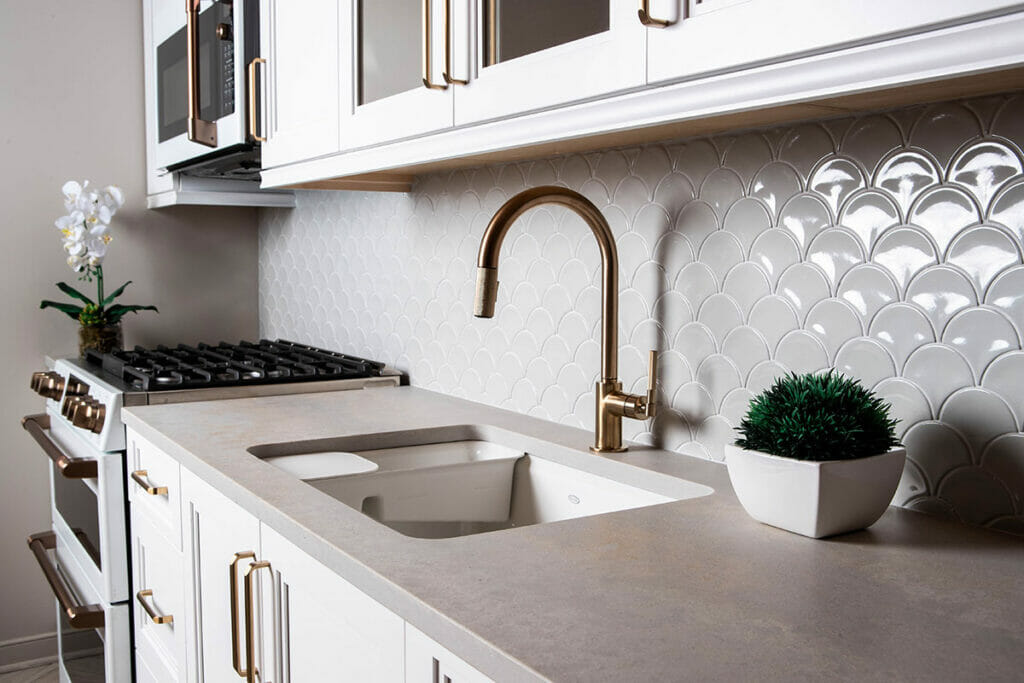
(154, 488)
(150, 666)
(427, 661)
(159, 596)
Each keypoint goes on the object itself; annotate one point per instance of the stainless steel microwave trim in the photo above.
(79, 616)
(69, 468)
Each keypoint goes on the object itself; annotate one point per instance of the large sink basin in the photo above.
(457, 481)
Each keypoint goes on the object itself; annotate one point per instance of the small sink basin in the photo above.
(466, 480)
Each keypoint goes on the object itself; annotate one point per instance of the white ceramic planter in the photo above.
(815, 499)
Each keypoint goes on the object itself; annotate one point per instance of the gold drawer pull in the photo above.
(645, 16)
(250, 620)
(233, 587)
(157, 618)
(139, 477)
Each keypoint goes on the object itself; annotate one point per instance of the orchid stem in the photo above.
(99, 286)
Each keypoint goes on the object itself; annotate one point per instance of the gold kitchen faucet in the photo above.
(612, 404)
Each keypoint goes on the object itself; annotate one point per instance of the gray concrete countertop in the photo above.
(689, 590)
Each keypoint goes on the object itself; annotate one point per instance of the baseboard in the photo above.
(30, 651)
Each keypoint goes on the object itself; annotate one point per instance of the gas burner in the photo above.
(225, 365)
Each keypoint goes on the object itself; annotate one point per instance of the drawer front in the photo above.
(427, 661)
(151, 667)
(159, 597)
(154, 487)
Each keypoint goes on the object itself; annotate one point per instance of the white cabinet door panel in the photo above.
(721, 35)
(301, 78)
(609, 61)
(321, 627)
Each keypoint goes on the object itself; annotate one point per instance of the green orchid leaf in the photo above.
(116, 293)
(115, 313)
(72, 292)
(71, 310)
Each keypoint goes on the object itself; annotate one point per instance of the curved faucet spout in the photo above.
(490, 246)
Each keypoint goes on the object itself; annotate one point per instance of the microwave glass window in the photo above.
(515, 28)
(216, 75)
(390, 48)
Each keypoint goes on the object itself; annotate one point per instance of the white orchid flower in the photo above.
(85, 229)
(113, 197)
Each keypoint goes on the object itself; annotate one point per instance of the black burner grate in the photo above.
(228, 365)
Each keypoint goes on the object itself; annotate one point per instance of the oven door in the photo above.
(87, 504)
(93, 637)
(220, 88)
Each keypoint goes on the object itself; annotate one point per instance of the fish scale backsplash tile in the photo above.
(888, 246)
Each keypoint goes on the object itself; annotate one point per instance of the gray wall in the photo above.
(888, 246)
(71, 106)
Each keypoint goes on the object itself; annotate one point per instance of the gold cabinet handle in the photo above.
(447, 73)
(139, 477)
(203, 132)
(250, 620)
(79, 616)
(233, 583)
(253, 114)
(428, 50)
(647, 20)
(157, 618)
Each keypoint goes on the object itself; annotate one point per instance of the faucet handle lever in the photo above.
(652, 384)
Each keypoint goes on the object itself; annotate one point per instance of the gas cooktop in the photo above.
(229, 365)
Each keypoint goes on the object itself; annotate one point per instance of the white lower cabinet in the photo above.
(427, 661)
(238, 602)
(319, 626)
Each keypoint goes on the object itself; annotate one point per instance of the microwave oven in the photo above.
(203, 70)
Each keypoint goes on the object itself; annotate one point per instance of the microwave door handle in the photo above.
(70, 468)
(79, 616)
(203, 132)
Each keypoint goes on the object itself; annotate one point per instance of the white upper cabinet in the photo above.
(393, 78)
(300, 77)
(522, 55)
(711, 36)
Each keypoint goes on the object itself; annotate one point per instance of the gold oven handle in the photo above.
(647, 20)
(233, 583)
(203, 132)
(140, 477)
(250, 619)
(69, 468)
(79, 616)
(428, 50)
(253, 114)
(157, 618)
(447, 73)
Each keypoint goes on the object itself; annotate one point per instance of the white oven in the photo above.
(84, 555)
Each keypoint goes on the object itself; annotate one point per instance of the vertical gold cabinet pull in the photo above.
(140, 477)
(253, 114)
(250, 620)
(203, 132)
(647, 20)
(150, 610)
(236, 648)
(447, 73)
(428, 50)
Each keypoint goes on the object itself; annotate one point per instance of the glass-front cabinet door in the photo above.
(397, 80)
(523, 55)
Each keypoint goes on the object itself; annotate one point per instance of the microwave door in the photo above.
(220, 101)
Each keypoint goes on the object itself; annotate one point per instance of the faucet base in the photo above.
(595, 449)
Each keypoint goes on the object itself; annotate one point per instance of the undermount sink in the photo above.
(457, 481)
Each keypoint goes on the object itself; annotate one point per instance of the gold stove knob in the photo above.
(69, 406)
(90, 414)
(47, 384)
(76, 388)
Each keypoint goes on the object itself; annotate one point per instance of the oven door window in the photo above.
(81, 653)
(79, 508)
(216, 74)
